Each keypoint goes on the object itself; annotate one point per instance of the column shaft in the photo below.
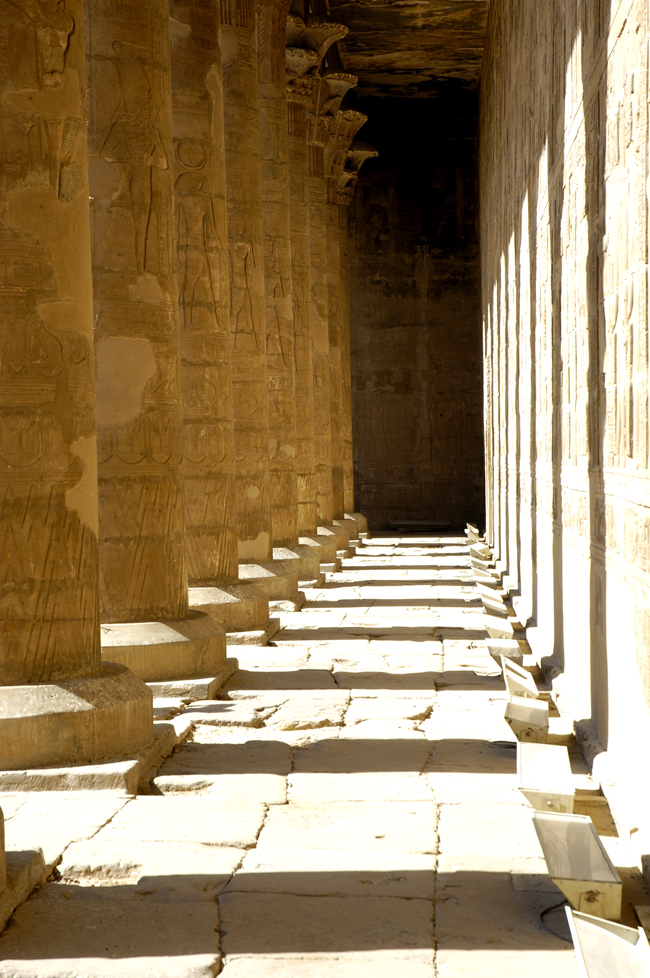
(204, 293)
(346, 400)
(280, 345)
(300, 287)
(142, 553)
(334, 335)
(247, 296)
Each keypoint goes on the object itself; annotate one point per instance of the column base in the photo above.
(242, 609)
(77, 721)
(351, 527)
(308, 563)
(361, 520)
(257, 636)
(277, 579)
(159, 651)
(340, 537)
(189, 690)
(326, 550)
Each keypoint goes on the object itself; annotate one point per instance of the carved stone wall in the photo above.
(415, 317)
(564, 244)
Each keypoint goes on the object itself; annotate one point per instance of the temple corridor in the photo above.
(345, 807)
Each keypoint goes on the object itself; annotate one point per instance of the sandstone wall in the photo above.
(415, 320)
(564, 251)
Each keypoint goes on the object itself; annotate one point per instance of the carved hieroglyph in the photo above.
(342, 127)
(300, 85)
(204, 292)
(142, 563)
(280, 345)
(348, 176)
(247, 300)
(49, 622)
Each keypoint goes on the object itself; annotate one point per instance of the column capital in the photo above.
(334, 86)
(341, 130)
(355, 158)
(301, 74)
(317, 33)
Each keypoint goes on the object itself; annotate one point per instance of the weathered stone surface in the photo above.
(340, 872)
(371, 964)
(94, 932)
(310, 788)
(307, 710)
(277, 924)
(396, 825)
(228, 789)
(238, 758)
(182, 819)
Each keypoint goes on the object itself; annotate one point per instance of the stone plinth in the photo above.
(277, 579)
(338, 535)
(3, 864)
(279, 329)
(305, 559)
(139, 416)
(55, 701)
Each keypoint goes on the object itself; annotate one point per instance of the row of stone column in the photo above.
(174, 341)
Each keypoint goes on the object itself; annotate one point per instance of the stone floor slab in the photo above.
(313, 789)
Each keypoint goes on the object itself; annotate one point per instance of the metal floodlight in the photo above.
(480, 551)
(578, 863)
(497, 627)
(608, 950)
(545, 778)
(528, 719)
(486, 566)
(472, 534)
(509, 647)
(492, 602)
(518, 680)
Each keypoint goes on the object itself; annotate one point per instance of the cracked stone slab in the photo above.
(51, 820)
(304, 789)
(151, 865)
(271, 923)
(228, 713)
(251, 757)
(398, 708)
(341, 872)
(305, 711)
(375, 729)
(229, 789)
(396, 825)
(185, 819)
(281, 679)
(112, 932)
(423, 681)
(350, 756)
(482, 830)
(353, 964)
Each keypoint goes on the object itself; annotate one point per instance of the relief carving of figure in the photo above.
(37, 37)
(133, 143)
(242, 262)
(196, 233)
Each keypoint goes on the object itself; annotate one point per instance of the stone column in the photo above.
(248, 305)
(355, 158)
(143, 575)
(59, 704)
(199, 172)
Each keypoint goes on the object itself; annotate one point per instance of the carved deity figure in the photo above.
(133, 143)
(196, 233)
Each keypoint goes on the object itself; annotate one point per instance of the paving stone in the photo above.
(261, 923)
(251, 757)
(51, 820)
(362, 755)
(280, 679)
(484, 829)
(338, 872)
(112, 932)
(185, 819)
(312, 789)
(399, 708)
(310, 710)
(151, 865)
(512, 963)
(375, 729)
(228, 713)
(395, 825)
(377, 964)
(422, 681)
(228, 789)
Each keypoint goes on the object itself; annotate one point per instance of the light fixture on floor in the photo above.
(509, 647)
(472, 533)
(528, 719)
(578, 863)
(518, 680)
(498, 627)
(608, 950)
(544, 775)
(480, 552)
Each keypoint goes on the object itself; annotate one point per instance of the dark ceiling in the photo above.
(415, 48)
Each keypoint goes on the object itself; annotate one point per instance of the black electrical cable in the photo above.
(550, 930)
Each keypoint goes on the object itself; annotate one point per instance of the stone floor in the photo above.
(341, 811)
